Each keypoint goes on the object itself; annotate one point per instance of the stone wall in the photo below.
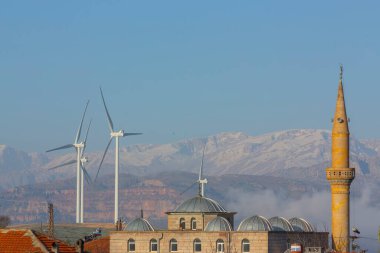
(201, 218)
(185, 240)
(260, 241)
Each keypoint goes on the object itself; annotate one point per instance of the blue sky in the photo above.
(180, 69)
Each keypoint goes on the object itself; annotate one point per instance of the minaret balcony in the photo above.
(340, 174)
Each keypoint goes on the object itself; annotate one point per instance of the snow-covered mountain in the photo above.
(292, 153)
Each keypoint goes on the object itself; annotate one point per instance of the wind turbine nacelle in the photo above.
(84, 160)
(117, 134)
(203, 181)
(79, 145)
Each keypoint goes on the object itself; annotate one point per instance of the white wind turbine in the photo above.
(84, 173)
(79, 146)
(116, 135)
(202, 181)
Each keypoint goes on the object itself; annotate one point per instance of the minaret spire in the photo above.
(340, 175)
(340, 131)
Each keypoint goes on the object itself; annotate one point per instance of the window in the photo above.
(245, 245)
(153, 245)
(219, 245)
(197, 245)
(131, 245)
(288, 244)
(182, 223)
(173, 245)
(193, 224)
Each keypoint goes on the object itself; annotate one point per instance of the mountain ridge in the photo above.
(289, 153)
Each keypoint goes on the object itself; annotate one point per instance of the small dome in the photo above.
(139, 224)
(255, 223)
(301, 225)
(200, 204)
(218, 224)
(280, 224)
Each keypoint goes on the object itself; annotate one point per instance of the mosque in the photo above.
(201, 224)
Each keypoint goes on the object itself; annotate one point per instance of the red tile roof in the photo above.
(25, 240)
(19, 241)
(100, 245)
(48, 242)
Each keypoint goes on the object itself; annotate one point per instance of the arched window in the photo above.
(245, 246)
(197, 245)
(131, 245)
(153, 245)
(219, 246)
(193, 224)
(182, 223)
(173, 245)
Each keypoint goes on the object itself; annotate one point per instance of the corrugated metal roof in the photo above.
(280, 224)
(200, 204)
(301, 225)
(255, 223)
(218, 224)
(139, 224)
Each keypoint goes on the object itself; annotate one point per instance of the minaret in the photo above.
(340, 175)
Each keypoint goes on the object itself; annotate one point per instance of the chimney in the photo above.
(79, 246)
(55, 247)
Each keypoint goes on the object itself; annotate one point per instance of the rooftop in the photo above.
(25, 240)
(200, 204)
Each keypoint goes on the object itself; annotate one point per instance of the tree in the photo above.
(4, 221)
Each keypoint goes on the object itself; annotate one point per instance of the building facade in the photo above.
(200, 224)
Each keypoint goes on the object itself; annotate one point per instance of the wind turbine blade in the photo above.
(104, 155)
(81, 123)
(188, 188)
(128, 134)
(63, 164)
(86, 175)
(108, 115)
(63, 147)
(88, 129)
(201, 168)
(85, 139)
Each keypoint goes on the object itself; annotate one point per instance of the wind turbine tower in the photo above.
(84, 173)
(202, 181)
(116, 135)
(79, 146)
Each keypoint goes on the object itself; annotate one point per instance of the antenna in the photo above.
(51, 220)
(341, 72)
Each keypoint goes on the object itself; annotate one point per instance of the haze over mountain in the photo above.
(290, 154)
(280, 173)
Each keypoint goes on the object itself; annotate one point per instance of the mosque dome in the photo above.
(200, 204)
(218, 224)
(139, 224)
(280, 224)
(255, 223)
(301, 225)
